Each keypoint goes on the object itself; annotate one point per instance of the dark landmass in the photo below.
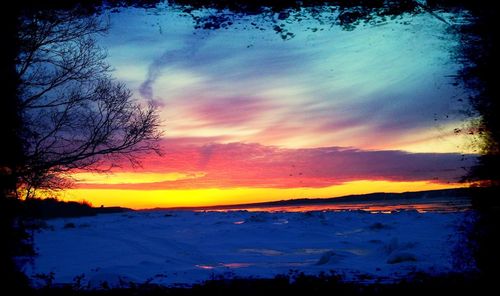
(455, 194)
(324, 284)
(49, 208)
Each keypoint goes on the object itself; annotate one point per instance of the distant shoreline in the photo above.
(443, 200)
(454, 195)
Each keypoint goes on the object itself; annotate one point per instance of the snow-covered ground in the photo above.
(187, 247)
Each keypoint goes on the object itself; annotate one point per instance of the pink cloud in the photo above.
(228, 111)
(254, 165)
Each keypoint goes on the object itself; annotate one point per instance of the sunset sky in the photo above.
(249, 117)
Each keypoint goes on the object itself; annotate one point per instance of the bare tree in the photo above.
(75, 116)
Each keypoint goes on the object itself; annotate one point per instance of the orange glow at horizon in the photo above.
(141, 199)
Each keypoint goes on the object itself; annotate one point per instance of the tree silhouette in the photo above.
(72, 112)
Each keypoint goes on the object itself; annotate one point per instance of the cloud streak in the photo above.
(190, 46)
(368, 88)
(236, 165)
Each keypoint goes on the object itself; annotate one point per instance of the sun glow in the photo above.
(141, 199)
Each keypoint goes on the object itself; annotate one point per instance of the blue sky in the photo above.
(391, 82)
(245, 110)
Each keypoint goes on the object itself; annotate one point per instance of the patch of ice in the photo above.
(266, 252)
(400, 257)
(204, 266)
(327, 257)
(281, 222)
(236, 265)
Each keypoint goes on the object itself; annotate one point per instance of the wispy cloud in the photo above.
(366, 88)
(189, 47)
(236, 165)
(229, 111)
